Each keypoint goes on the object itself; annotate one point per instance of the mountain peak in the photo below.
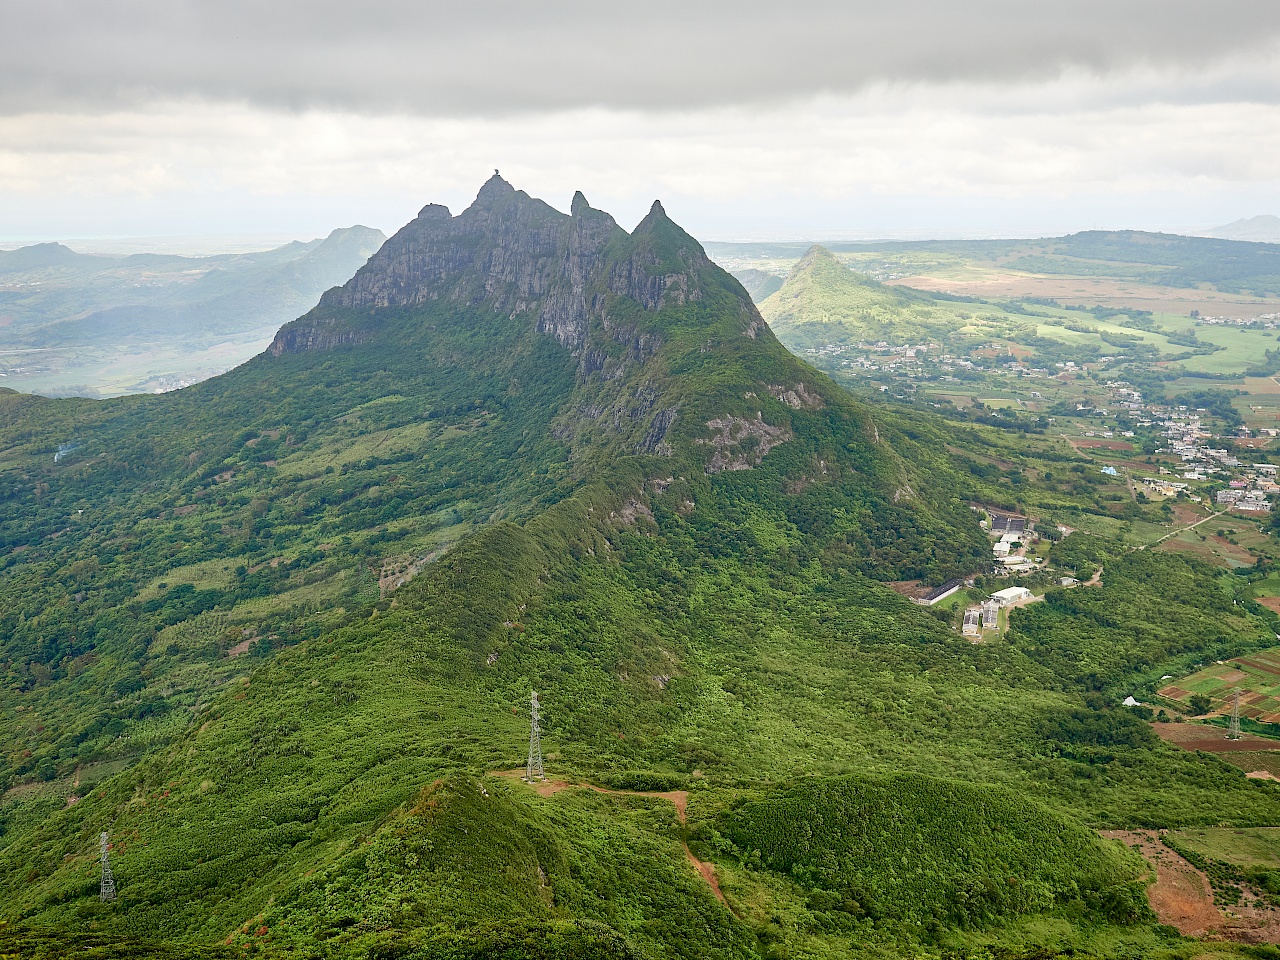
(521, 258)
(494, 190)
(657, 214)
(435, 211)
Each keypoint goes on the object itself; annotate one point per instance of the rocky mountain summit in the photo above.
(613, 299)
(520, 256)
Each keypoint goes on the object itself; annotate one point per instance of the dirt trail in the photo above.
(1181, 897)
(1156, 543)
(678, 798)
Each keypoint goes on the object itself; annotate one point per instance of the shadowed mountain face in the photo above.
(300, 615)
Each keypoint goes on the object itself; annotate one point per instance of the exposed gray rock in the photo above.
(741, 444)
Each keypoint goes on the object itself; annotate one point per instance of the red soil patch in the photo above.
(1184, 513)
(911, 589)
(239, 648)
(1196, 736)
(1181, 896)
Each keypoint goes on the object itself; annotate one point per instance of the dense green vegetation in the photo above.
(934, 852)
(675, 532)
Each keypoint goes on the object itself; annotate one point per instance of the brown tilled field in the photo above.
(1198, 736)
(1090, 443)
(1093, 291)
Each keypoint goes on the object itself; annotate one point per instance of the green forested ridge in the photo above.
(873, 845)
(656, 517)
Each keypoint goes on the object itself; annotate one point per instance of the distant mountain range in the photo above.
(66, 310)
(1260, 229)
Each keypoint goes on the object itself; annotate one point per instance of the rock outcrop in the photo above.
(518, 255)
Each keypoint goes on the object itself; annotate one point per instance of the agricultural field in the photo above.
(1257, 676)
(1256, 762)
(1243, 847)
(1218, 550)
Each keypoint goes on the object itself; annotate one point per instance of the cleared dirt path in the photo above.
(678, 798)
(1181, 896)
(1156, 543)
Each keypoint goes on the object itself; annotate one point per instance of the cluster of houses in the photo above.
(986, 616)
(1011, 536)
(1265, 321)
(1250, 492)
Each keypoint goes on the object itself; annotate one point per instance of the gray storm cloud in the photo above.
(454, 58)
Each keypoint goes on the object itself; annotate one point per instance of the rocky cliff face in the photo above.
(625, 306)
(517, 255)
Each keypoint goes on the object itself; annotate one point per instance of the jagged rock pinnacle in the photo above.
(494, 189)
(579, 205)
(655, 216)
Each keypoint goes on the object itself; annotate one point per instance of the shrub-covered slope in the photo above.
(616, 488)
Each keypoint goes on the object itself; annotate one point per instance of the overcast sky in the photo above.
(749, 120)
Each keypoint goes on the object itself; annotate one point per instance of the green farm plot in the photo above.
(1257, 676)
(1200, 543)
(1265, 761)
(1243, 847)
(1131, 532)
(1269, 587)
(1242, 349)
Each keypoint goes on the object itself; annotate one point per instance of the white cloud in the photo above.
(1076, 150)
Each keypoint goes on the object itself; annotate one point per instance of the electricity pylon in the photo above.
(107, 891)
(1233, 733)
(533, 770)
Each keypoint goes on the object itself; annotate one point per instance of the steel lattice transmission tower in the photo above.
(107, 892)
(1233, 733)
(533, 770)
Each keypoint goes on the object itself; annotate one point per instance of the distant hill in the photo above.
(71, 310)
(1264, 228)
(823, 301)
(759, 283)
(1153, 258)
(39, 256)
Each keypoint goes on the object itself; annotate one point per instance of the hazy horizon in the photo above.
(747, 120)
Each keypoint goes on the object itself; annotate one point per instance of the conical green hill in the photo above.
(823, 301)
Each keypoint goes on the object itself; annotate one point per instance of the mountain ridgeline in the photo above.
(93, 325)
(276, 633)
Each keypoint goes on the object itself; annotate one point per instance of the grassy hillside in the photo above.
(822, 301)
(616, 488)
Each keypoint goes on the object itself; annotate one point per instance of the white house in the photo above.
(1010, 595)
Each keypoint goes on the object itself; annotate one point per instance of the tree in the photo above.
(1199, 704)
